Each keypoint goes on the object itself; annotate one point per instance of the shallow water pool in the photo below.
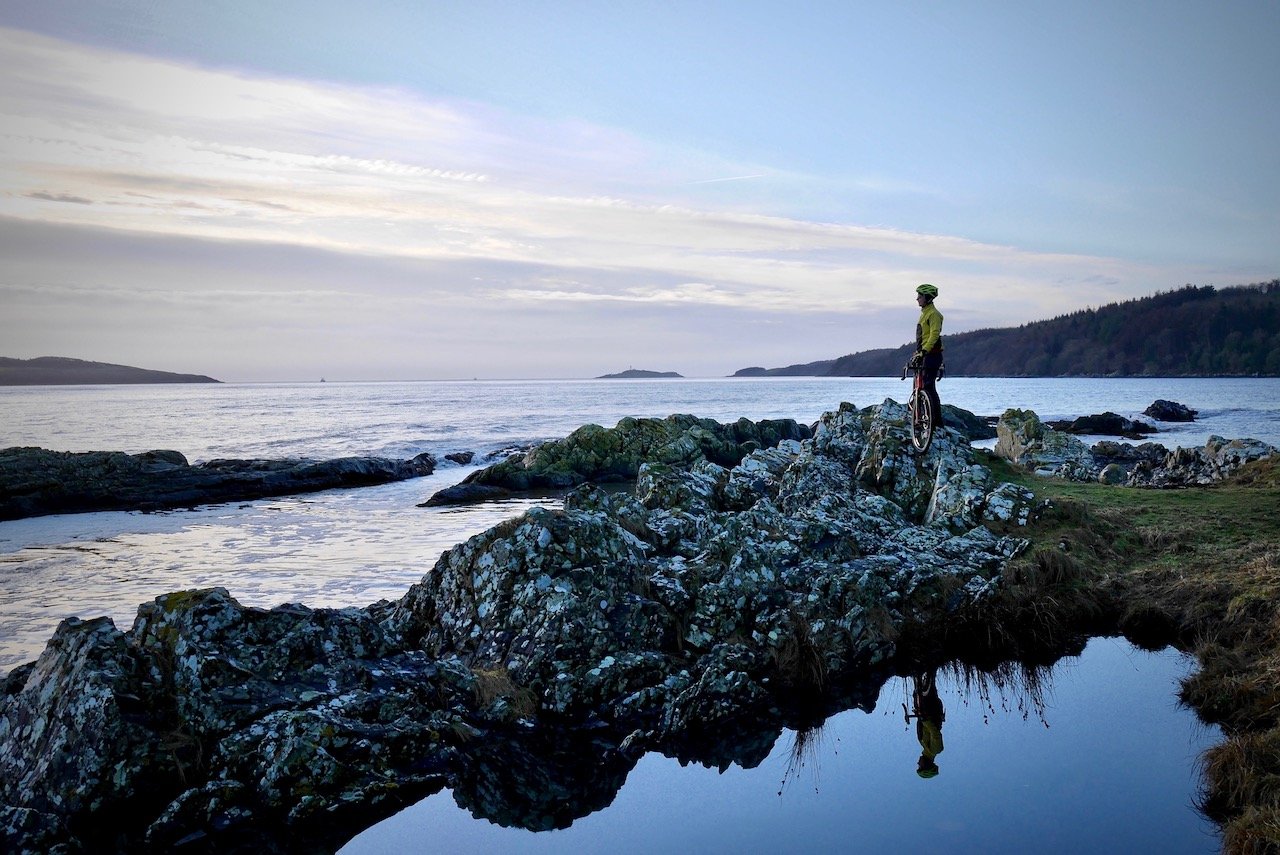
(1092, 755)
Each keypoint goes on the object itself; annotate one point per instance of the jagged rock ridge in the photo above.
(711, 596)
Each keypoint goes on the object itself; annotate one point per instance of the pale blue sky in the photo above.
(565, 189)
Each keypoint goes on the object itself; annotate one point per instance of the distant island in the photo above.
(64, 371)
(1189, 332)
(638, 374)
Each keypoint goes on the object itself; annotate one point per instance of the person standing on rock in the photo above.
(928, 355)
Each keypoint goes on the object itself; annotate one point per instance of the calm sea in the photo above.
(353, 547)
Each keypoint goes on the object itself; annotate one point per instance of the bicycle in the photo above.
(919, 409)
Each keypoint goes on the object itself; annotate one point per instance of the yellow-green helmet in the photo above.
(927, 290)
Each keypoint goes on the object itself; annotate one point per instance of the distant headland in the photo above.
(64, 371)
(638, 374)
(1188, 332)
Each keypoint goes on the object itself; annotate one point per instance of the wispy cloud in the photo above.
(157, 149)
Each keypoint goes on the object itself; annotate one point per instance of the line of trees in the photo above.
(1193, 330)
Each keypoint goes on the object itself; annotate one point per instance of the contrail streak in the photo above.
(732, 178)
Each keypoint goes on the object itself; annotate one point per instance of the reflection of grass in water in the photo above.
(805, 751)
(1016, 685)
(1007, 687)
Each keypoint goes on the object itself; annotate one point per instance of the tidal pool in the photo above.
(1091, 755)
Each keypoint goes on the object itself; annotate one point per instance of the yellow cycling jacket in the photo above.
(929, 329)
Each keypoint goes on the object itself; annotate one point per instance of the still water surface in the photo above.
(1104, 763)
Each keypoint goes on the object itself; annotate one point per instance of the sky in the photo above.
(430, 190)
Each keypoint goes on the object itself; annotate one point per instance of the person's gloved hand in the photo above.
(917, 359)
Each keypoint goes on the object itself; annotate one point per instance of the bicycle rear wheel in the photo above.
(921, 421)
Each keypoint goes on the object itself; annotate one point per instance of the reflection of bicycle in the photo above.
(919, 409)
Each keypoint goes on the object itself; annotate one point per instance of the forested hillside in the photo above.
(1191, 331)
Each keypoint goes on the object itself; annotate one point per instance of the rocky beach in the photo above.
(754, 576)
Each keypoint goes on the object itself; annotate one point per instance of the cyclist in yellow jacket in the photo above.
(928, 355)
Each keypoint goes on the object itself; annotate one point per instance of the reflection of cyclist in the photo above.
(928, 355)
(929, 716)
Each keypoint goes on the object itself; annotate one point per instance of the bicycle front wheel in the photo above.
(921, 421)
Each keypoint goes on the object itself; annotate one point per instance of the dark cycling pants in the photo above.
(932, 365)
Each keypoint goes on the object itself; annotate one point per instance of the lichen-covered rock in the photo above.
(1010, 503)
(1112, 473)
(731, 582)
(1024, 440)
(596, 606)
(1219, 458)
(599, 455)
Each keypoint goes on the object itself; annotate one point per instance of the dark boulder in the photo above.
(1170, 411)
(462, 458)
(462, 494)
(969, 424)
(35, 482)
(1105, 424)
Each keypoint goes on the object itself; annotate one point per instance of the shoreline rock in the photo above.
(601, 455)
(1025, 441)
(1170, 411)
(36, 482)
(1105, 424)
(688, 616)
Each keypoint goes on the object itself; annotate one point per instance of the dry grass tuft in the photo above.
(494, 683)
(1254, 832)
(799, 662)
(1243, 772)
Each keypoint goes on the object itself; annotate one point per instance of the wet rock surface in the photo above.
(1026, 441)
(1170, 411)
(34, 481)
(1105, 424)
(599, 455)
(690, 616)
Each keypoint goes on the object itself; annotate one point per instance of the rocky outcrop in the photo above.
(969, 424)
(1219, 458)
(1170, 411)
(34, 482)
(688, 616)
(1104, 424)
(1026, 441)
(1023, 439)
(599, 455)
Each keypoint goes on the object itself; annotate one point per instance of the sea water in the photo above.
(356, 546)
(353, 547)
